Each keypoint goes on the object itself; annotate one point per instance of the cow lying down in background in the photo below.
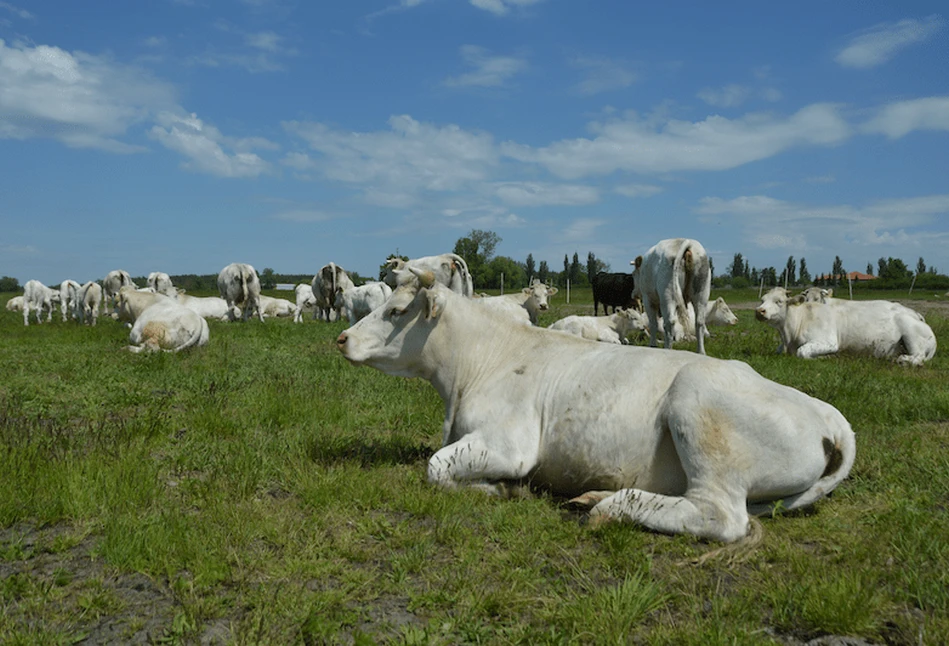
(675, 441)
(607, 329)
(160, 322)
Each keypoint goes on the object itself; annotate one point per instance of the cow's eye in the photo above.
(395, 311)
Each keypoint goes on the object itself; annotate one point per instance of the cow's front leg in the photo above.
(813, 349)
(471, 462)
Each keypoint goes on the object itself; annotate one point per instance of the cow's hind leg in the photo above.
(470, 462)
(725, 520)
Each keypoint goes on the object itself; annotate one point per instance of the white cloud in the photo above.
(17, 11)
(489, 71)
(602, 75)
(898, 119)
(661, 145)
(409, 158)
(581, 230)
(880, 43)
(501, 7)
(204, 145)
(81, 100)
(638, 190)
(725, 97)
(302, 215)
(265, 40)
(542, 194)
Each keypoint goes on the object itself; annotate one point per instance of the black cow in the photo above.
(615, 290)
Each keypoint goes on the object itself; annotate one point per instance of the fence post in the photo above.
(568, 291)
(913, 284)
(502, 283)
(850, 283)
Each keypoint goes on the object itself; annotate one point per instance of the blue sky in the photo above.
(182, 135)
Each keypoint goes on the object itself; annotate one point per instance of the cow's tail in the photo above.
(840, 450)
(195, 339)
(684, 267)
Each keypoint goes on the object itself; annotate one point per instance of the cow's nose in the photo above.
(341, 340)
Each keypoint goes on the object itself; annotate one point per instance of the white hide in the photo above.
(160, 322)
(160, 282)
(875, 328)
(449, 269)
(671, 274)
(276, 307)
(38, 298)
(69, 299)
(306, 301)
(111, 284)
(208, 307)
(675, 441)
(356, 302)
(239, 285)
(606, 329)
(15, 304)
(327, 281)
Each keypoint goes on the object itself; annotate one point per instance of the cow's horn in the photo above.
(425, 277)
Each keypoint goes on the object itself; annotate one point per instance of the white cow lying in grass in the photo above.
(875, 328)
(208, 307)
(271, 307)
(90, 302)
(15, 304)
(160, 322)
(38, 298)
(533, 300)
(356, 302)
(675, 441)
(718, 313)
(607, 329)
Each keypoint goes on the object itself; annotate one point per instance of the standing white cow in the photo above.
(38, 298)
(160, 322)
(306, 301)
(875, 328)
(69, 299)
(356, 302)
(449, 269)
(672, 273)
(531, 299)
(675, 441)
(111, 284)
(607, 329)
(240, 287)
(90, 301)
(330, 278)
(161, 283)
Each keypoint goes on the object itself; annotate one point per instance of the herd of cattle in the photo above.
(675, 441)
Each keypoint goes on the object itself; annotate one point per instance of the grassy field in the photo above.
(263, 491)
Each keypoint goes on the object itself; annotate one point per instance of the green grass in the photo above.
(263, 490)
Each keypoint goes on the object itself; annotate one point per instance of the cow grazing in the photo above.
(450, 270)
(111, 284)
(611, 328)
(306, 301)
(675, 441)
(38, 298)
(672, 273)
(160, 322)
(69, 299)
(355, 303)
(276, 307)
(15, 304)
(161, 283)
(875, 328)
(208, 307)
(532, 299)
(240, 287)
(612, 290)
(90, 301)
(327, 281)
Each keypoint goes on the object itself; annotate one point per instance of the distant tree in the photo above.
(881, 268)
(790, 271)
(477, 248)
(804, 276)
(746, 273)
(920, 266)
(591, 266)
(267, 279)
(738, 266)
(9, 284)
(576, 273)
(838, 272)
(529, 266)
(510, 269)
(869, 268)
(543, 272)
(755, 277)
(565, 276)
(770, 275)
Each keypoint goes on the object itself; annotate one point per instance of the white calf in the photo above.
(276, 307)
(607, 329)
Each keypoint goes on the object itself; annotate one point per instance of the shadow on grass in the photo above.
(368, 451)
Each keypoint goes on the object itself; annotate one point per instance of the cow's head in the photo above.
(774, 306)
(816, 295)
(391, 337)
(629, 320)
(540, 292)
(720, 314)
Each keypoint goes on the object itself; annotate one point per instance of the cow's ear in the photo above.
(551, 291)
(526, 290)
(638, 262)
(433, 306)
(828, 293)
(796, 300)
